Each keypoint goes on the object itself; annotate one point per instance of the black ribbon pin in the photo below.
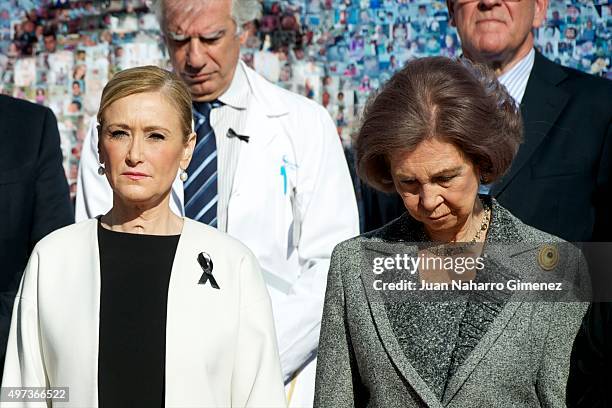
(207, 266)
(232, 133)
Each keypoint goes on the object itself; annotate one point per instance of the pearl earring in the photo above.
(101, 170)
(183, 176)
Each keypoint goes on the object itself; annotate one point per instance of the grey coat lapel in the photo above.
(403, 230)
(391, 345)
(503, 230)
(541, 106)
(484, 345)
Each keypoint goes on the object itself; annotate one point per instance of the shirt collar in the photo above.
(237, 94)
(515, 80)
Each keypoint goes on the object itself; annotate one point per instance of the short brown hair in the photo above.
(150, 79)
(450, 99)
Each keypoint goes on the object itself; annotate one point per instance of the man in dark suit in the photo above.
(560, 179)
(590, 374)
(34, 196)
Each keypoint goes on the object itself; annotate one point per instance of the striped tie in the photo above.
(201, 187)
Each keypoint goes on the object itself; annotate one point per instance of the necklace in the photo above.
(486, 218)
(454, 248)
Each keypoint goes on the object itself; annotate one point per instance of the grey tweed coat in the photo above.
(521, 361)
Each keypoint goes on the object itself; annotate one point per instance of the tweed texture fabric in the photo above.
(515, 355)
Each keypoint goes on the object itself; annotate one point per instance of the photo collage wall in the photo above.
(61, 53)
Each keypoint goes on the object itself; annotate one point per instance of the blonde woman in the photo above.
(140, 307)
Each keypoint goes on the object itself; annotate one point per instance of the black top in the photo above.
(135, 274)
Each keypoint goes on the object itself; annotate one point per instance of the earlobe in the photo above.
(243, 36)
(188, 150)
(99, 129)
(191, 141)
(100, 158)
(540, 13)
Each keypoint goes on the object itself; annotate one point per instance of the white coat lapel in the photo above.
(199, 320)
(186, 380)
(72, 348)
(262, 131)
(264, 124)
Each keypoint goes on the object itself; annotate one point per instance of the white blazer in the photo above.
(220, 345)
(292, 201)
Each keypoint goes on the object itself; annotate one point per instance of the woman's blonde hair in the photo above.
(150, 79)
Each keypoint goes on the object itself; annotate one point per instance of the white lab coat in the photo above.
(292, 201)
(220, 343)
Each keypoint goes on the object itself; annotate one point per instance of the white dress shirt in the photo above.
(515, 80)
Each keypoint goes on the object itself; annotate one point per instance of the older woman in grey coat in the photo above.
(436, 133)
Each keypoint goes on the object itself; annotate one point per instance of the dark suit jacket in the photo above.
(560, 179)
(34, 195)
(591, 363)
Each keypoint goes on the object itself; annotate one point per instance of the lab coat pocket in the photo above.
(290, 223)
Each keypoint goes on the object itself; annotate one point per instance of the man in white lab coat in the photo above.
(282, 182)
